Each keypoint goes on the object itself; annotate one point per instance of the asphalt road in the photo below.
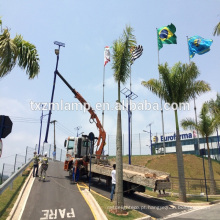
(56, 198)
(211, 213)
(151, 206)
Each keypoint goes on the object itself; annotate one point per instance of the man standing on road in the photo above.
(36, 161)
(44, 166)
(113, 173)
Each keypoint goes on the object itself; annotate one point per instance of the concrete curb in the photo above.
(147, 217)
(182, 203)
(94, 205)
(14, 209)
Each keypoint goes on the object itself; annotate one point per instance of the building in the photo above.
(189, 142)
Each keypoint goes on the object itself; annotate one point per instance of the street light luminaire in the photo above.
(57, 51)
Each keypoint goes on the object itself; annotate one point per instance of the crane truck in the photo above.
(135, 178)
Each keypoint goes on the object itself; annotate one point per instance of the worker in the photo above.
(54, 155)
(44, 166)
(36, 161)
(75, 173)
(113, 173)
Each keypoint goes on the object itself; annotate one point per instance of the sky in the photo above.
(86, 27)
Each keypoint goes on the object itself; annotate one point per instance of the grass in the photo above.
(106, 205)
(9, 196)
(193, 167)
(168, 163)
(195, 199)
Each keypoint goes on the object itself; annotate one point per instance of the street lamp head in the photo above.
(57, 51)
(59, 43)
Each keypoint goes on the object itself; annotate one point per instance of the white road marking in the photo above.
(50, 214)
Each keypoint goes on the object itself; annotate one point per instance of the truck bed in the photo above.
(138, 175)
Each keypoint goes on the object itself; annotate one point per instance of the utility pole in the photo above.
(150, 137)
(78, 128)
(54, 123)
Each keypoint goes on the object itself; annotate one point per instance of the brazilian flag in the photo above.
(165, 35)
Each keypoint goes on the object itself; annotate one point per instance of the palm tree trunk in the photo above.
(180, 163)
(119, 161)
(211, 173)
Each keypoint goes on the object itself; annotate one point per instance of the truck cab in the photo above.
(76, 148)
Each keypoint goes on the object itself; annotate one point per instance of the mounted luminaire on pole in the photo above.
(57, 52)
(131, 96)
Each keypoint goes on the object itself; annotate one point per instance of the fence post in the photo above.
(26, 155)
(140, 142)
(43, 149)
(2, 173)
(61, 155)
(108, 144)
(123, 141)
(15, 162)
(49, 150)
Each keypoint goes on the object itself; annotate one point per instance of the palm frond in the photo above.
(28, 57)
(217, 30)
(8, 51)
(189, 123)
(154, 86)
(122, 55)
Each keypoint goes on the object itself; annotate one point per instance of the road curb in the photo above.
(14, 209)
(182, 203)
(94, 205)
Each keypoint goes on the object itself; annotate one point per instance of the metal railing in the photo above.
(10, 180)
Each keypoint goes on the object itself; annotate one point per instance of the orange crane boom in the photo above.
(93, 118)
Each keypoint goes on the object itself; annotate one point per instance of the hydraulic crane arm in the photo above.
(93, 117)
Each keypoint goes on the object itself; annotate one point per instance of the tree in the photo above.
(206, 127)
(217, 30)
(17, 51)
(177, 85)
(214, 107)
(121, 67)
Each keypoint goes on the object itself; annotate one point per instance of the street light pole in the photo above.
(131, 96)
(57, 52)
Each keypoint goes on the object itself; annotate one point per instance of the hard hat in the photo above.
(45, 153)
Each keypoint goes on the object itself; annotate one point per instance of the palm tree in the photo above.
(18, 51)
(217, 29)
(214, 107)
(120, 65)
(177, 85)
(206, 127)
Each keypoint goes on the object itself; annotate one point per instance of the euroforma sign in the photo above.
(184, 136)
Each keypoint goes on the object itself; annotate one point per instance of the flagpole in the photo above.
(161, 102)
(103, 98)
(194, 103)
(130, 114)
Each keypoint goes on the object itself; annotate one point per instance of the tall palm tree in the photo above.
(217, 29)
(120, 65)
(17, 51)
(177, 85)
(206, 127)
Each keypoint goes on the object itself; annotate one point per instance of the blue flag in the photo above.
(198, 45)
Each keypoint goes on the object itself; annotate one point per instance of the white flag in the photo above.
(106, 55)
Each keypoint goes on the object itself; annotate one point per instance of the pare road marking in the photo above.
(52, 214)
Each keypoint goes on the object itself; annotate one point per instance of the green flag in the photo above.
(165, 35)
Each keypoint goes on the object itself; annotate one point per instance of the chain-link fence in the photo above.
(194, 186)
(18, 160)
(49, 148)
(140, 144)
